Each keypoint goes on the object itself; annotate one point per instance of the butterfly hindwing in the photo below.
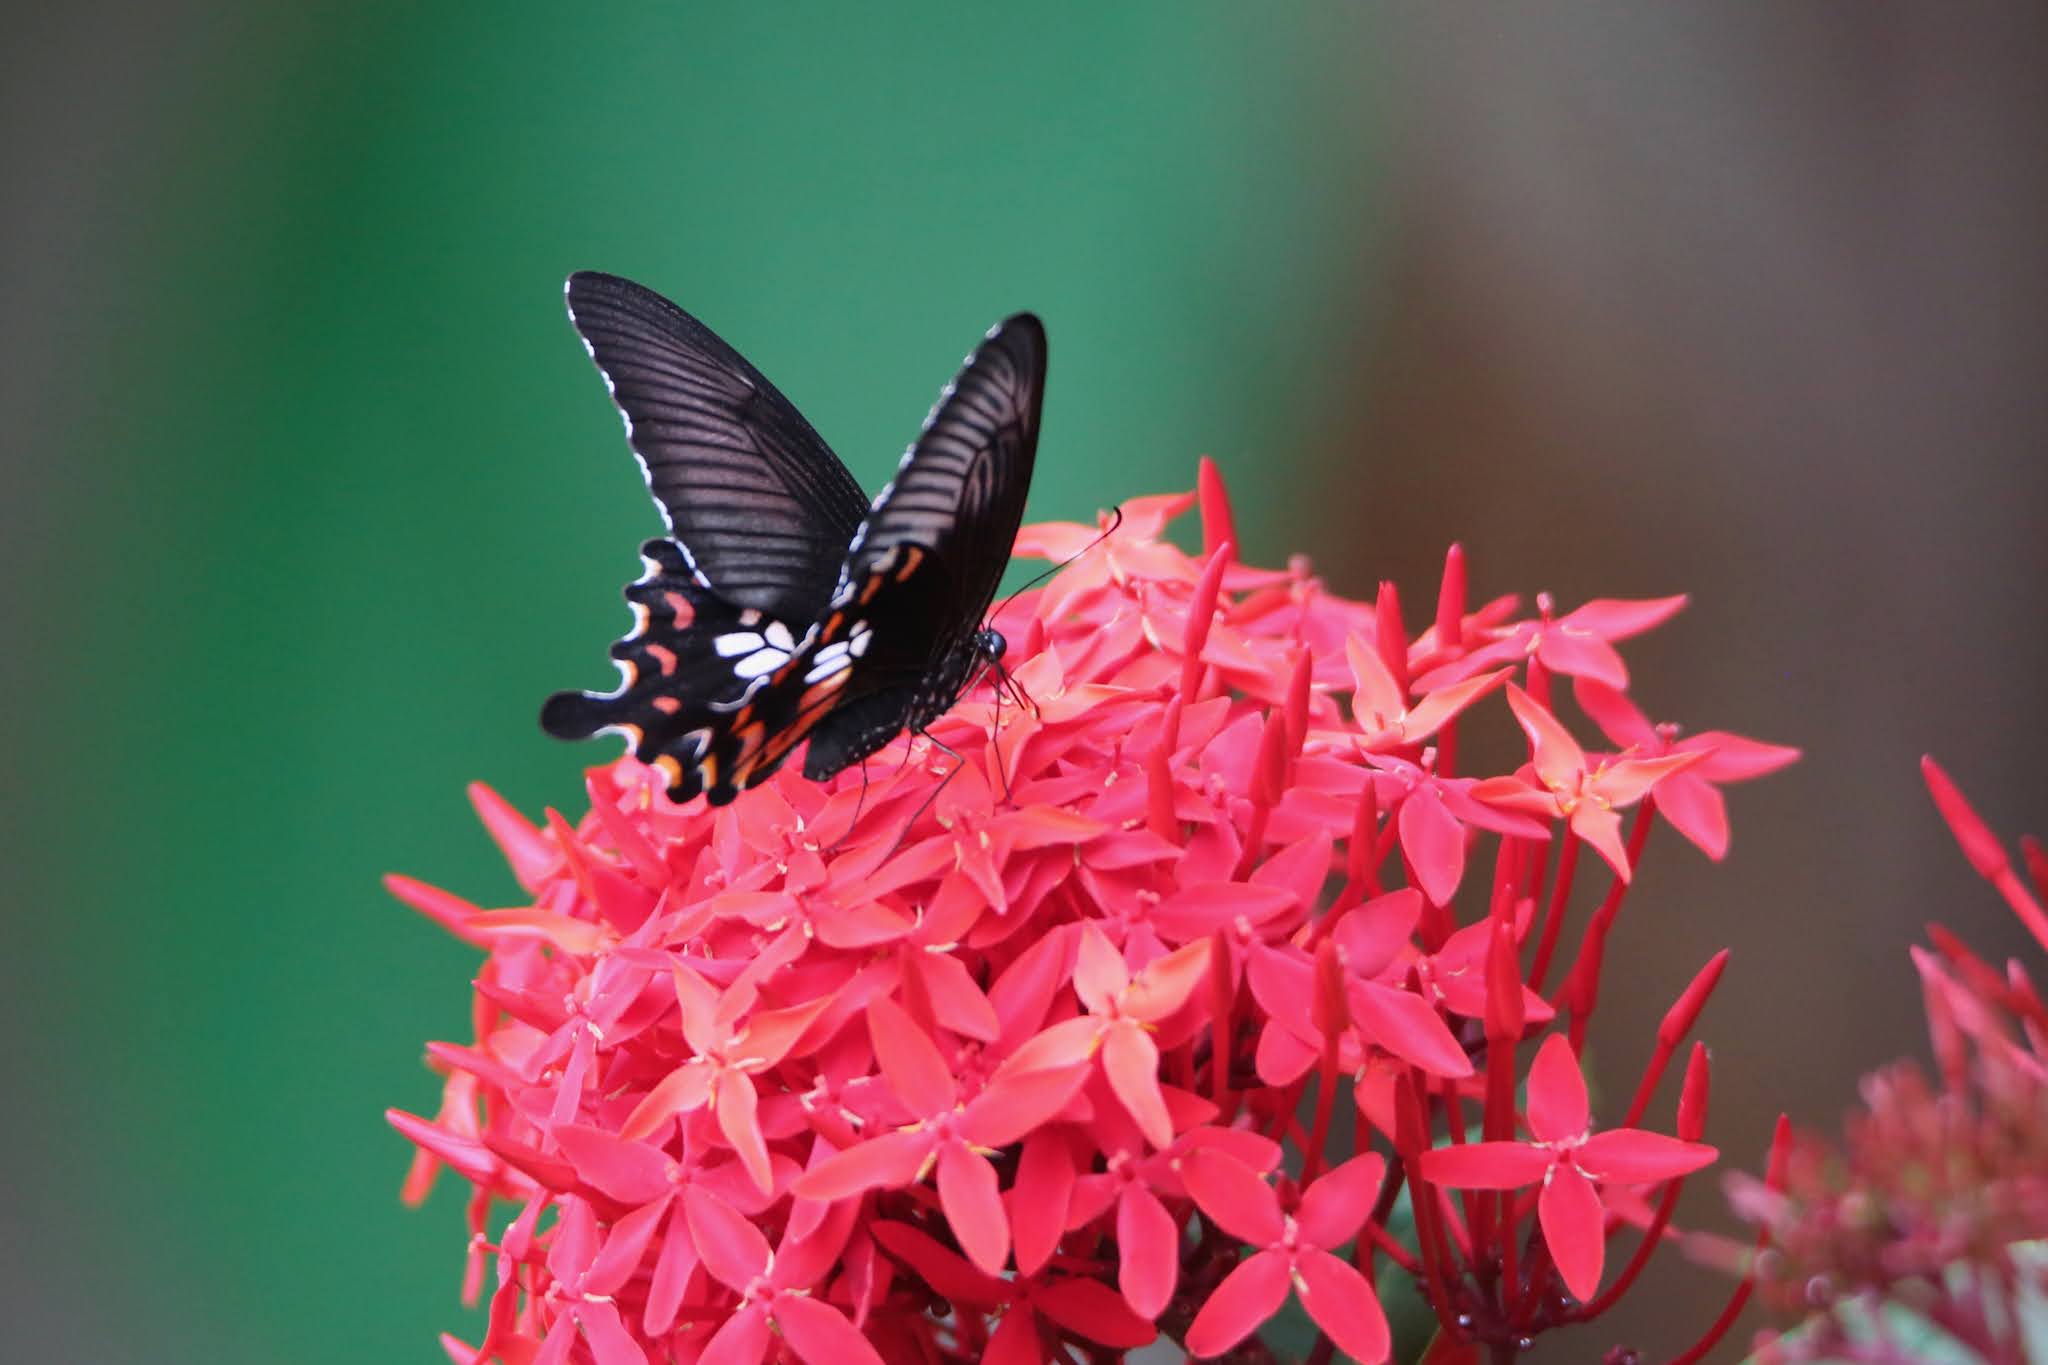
(714, 695)
(761, 506)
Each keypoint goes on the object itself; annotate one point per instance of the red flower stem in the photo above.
(1580, 992)
(1653, 1236)
(1774, 1180)
(1537, 866)
(1436, 1252)
(1478, 1204)
(1326, 1099)
(1553, 913)
(1378, 1238)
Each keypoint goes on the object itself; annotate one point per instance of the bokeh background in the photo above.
(311, 495)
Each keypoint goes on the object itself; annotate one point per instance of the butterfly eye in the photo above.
(991, 644)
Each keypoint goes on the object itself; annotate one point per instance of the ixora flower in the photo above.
(1922, 1227)
(1027, 1044)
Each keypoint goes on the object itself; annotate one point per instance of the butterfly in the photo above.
(783, 606)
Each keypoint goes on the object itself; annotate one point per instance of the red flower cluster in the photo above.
(1037, 1056)
(1921, 1228)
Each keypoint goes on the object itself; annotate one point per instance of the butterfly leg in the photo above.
(926, 804)
(859, 804)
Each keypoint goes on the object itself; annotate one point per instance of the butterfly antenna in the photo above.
(1116, 519)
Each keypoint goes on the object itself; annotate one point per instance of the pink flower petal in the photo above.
(1099, 971)
(1629, 1156)
(1558, 1110)
(682, 1090)
(1375, 933)
(1600, 828)
(1166, 983)
(1484, 1165)
(1335, 1206)
(910, 1062)
(745, 1339)
(1408, 1026)
(730, 1247)
(625, 1245)
(944, 1270)
(1015, 1102)
(1091, 1309)
(1574, 1227)
(974, 1208)
(737, 1119)
(1148, 1252)
(1434, 842)
(630, 1172)
(1130, 1059)
(1248, 1296)
(610, 1342)
(1615, 618)
(1696, 809)
(1233, 1194)
(1343, 1304)
(1735, 758)
(1016, 1340)
(1557, 756)
(1039, 1199)
(820, 1333)
(890, 1161)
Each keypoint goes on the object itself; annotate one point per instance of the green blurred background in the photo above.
(313, 495)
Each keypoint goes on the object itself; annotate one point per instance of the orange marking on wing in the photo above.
(668, 706)
(680, 608)
(870, 588)
(669, 764)
(663, 655)
(810, 710)
(750, 737)
(913, 555)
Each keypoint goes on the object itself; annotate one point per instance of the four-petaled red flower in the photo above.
(1291, 1249)
(1571, 1160)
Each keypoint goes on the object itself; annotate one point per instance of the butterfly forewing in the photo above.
(759, 503)
(925, 565)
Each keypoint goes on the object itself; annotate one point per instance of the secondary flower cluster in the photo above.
(1921, 1230)
(1037, 1054)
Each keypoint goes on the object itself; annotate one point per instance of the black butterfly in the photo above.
(783, 606)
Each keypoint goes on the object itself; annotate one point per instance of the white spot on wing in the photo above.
(760, 663)
(738, 642)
